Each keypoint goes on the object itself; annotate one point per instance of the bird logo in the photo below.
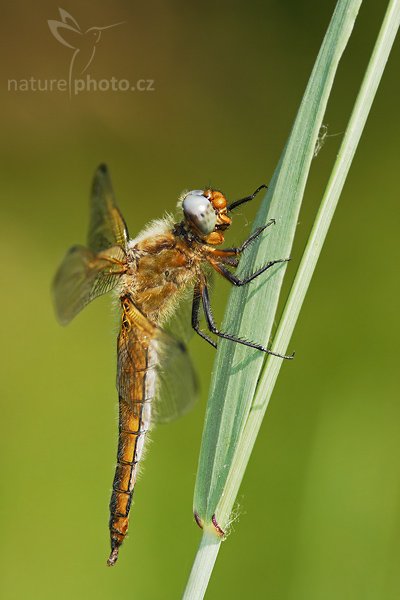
(83, 43)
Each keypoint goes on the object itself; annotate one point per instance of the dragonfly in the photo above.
(151, 275)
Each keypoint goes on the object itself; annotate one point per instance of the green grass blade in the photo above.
(269, 374)
(251, 310)
(312, 251)
(204, 563)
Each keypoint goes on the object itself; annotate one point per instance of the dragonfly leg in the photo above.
(255, 235)
(236, 251)
(239, 282)
(213, 328)
(195, 316)
(237, 203)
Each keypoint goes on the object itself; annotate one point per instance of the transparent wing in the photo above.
(86, 273)
(177, 388)
(107, 226)
(179, 324)
(153, 366)
(177, 385)
(83, 276)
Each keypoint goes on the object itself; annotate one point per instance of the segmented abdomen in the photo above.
(136, 385)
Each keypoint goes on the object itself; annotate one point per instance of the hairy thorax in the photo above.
(160, 268)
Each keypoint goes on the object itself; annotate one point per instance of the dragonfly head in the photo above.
(205, 213)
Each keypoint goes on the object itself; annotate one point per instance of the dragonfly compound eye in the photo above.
(199, 211)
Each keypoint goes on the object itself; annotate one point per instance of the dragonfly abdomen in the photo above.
(134, 422)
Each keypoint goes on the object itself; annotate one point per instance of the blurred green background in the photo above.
(319, 509)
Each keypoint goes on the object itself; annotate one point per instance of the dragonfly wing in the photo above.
(153, 366)
(177, 385)
(179, 324)
(86, 273)
(107, 226)
(83, 276)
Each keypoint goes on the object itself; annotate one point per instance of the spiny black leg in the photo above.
(256, 234)
(247, 198)
(213, 328)
(246, 243)
(237, 281)
(195, 316)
